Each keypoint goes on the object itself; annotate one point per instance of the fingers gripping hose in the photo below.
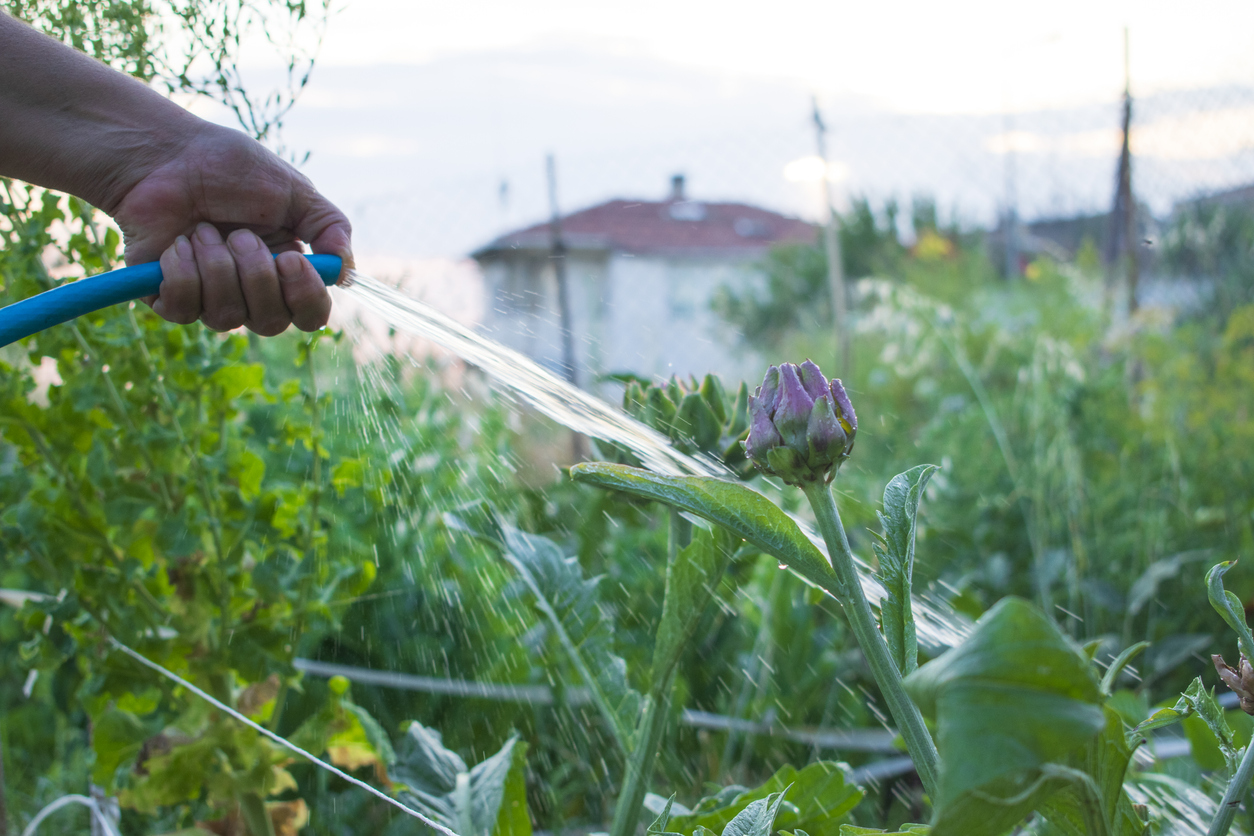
(61, 304)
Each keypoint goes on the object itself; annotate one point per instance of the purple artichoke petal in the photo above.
(768, 392)
(824, 434)
(762, 433)
(812, 379)
(792, 416)
(844, 409)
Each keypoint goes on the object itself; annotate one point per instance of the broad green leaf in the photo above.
(1016, 697)
(895, 550)
(359, 740)
(904, 830)
(235, 380)
(1229, 606)
(568, 602)
(348, 473)
(757, 819)
(737, 508)
(513, 819)
(690, 584)
(350, 736)
(820, 797)
(480, 801)
(249, 469)
(116, 738)
(1099, 805)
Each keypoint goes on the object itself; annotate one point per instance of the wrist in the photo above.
(138, 143)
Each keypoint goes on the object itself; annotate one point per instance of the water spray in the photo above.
(72, 300)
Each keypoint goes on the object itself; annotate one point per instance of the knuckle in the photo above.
(225, 318)
(269, 327)
(313, 321)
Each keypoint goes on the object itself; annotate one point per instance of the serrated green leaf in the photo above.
(895, 551)
(568, 602)
(820, 797)
(740, 509)
(758, 818)
(1015, 697)
(1207, 728)
(690, 584)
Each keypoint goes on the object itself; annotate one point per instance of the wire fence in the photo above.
(442, 190)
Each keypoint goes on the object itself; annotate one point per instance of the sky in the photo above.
(969, 55)
(429, 122)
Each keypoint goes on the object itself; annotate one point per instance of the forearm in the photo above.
(68, 122)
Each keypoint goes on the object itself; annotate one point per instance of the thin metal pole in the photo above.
(1125, 182)
(1122, 250)
(558, 253)
(558, 256)
(835, 267)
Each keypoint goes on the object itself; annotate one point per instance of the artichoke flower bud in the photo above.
(802, 425)
(1239, 681)
(696, 416)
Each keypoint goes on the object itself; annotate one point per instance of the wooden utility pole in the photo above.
(1123, 231)
(835, 267)
(557, 255)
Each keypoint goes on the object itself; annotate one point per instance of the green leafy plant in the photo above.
(486, 800)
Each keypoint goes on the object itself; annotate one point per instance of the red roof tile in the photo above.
(666, 226)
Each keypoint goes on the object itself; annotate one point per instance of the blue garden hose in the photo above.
(61, 304)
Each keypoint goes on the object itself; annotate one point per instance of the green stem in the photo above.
(862, 621)
(1237, 788)
(306, 585)
(4, 815)
(643, 755)
(252, 809)
(640, 764)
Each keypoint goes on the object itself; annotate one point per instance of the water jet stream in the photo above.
(938, 625)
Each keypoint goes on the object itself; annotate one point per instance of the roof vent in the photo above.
(751, 228)
(687, 210)
(677, 188)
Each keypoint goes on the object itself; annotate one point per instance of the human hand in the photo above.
(221, 182)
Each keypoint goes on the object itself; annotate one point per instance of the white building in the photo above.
(641, 278)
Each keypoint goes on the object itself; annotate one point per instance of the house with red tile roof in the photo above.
(641, 277)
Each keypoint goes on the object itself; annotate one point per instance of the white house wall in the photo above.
(659, 319)
(650, 315)
(523, 309)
